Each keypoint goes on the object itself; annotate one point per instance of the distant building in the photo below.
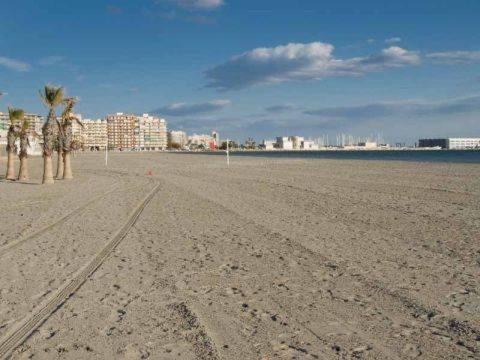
(368, 145)
(121, 131)
(150, 133)
(95, 134)
(201, 141)
(450, 143)
(36, 122)
(284, 143)
(178, 137)
(268, 144)
(463, 143)
(78, 132)
(216, 139)
(309, 145)
(296, 142)
(35, 127)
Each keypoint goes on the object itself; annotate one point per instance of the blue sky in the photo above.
(254, 68)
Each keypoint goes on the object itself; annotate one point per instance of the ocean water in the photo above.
(447, 156)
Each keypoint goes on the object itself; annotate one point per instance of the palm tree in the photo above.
(24, 132)
(52, 97)
(66, 134)
(14, 115)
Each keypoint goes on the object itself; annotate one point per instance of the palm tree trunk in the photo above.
(60, 160)
(47, 170)
(67, 173)
(23, 172)
(48, 137)
(10, 167)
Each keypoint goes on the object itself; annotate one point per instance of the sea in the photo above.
(444, 156)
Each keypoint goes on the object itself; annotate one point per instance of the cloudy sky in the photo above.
(265, 68)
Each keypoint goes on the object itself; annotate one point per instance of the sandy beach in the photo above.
(176, 256)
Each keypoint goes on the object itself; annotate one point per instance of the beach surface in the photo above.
(176, 256)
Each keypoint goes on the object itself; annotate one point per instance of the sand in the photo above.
(268, 259)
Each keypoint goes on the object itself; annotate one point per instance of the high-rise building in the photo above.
(36, 122)
(177, 137)
(78, 132)
(95, 134)
(121, 131)
(150, 133)
(216, 138)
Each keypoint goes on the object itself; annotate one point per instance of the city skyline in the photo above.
(249, 69)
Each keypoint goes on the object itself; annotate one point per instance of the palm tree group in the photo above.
(19, 128)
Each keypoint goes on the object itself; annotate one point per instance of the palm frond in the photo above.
(15, 115)
(25, 124)
(51, 96)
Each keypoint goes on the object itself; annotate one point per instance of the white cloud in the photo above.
(300, 62)
(51, 60)
(393, 40)
(14, 64)
(199, 4)
(412, 108)
(455, 57)
(182, 109)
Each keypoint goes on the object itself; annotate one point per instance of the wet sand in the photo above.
(267, 259)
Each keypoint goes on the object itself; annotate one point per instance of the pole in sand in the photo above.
(228, 155)
(106, 155)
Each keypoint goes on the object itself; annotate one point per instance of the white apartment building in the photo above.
(284, 143)
(150, 133)
(296, 142)
(309, 145)
(78, 133)
(36, 122)
(269, 144)
(121, 131)
(178, 137)
(463, 143)
(95, 134)
(201, 140)
(368, 145)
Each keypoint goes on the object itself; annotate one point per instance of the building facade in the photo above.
(284, 143)
(463, 143)
(121, 131)
(177, 137)
(150, 133)
(95, 134)
(203, 141)
(36, 122)
(450, 143)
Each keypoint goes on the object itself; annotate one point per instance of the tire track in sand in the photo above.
(13, 244)
(25, 328)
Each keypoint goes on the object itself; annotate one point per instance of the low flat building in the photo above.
(268, 144)
(309, 145)
(368, 145)
(450, 143)
(463, 143)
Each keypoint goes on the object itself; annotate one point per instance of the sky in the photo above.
(262, 68)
